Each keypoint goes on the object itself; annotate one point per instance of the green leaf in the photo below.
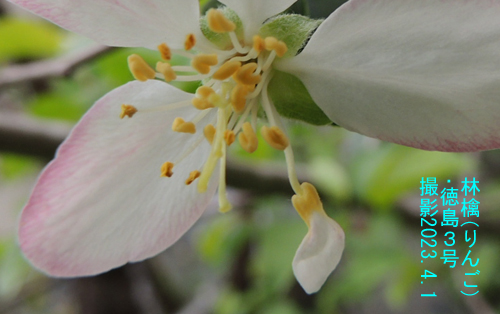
(382, 176)
(13, 269)
(293, 29)
(272, 263)
(23, 38)
(13, 166)
(222, 239)
(293, 101)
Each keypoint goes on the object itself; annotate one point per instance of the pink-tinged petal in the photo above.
(102, 203)
(319, 253)
(419, 73)
(123, 23)
(254, 12)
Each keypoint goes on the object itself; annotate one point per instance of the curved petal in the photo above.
(124, 23)
(254, 12)
(319, 253)
(419, 73)
(102, 203)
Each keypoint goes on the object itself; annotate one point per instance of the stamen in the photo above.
(258, 43)
(274, 119)
(183, 68)
(238, 97)
(127, 110)
(190, 42)
(218, 101)
(260, 86)
(224, 204)
(237, 45)
(308, 202)
(275, 137)
(218, 23)
(166, 53)
(193, 176)
(166, 169)
(248, 139)
(204, 91)
(201, 104)
(209, 132)
(166, 70)
(251, 55)
(229, 137)
(202, 62)
(272, 43)
(140, 69)
(182, 126)
(226, 70)
(245, 75)
(216, 152)
(243, 117)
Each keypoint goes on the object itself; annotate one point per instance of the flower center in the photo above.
(234, 83)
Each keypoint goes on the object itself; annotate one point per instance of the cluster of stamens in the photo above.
(234, 82)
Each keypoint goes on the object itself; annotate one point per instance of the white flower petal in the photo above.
(419, 73)
(127, 23)
(319, 253)
(254, 12)
(102, 203)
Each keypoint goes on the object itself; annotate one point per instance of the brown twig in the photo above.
(60, 66)
(28, 136)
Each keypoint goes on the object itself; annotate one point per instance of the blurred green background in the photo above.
(240, 262)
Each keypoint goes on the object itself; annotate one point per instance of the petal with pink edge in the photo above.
(101, 202)
(419, 73)
(319, 253)
(123, 23)
(254, 12)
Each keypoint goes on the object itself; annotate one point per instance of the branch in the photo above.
(28, 136)
(60, 66)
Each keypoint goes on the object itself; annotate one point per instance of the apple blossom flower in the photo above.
(418, 73)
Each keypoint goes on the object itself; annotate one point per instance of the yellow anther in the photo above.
(209, 132)
(166, 53)
(182, 126)
(203, 62)
(258, 43)
(229, 137)
(278, 46)
(238, 97)
(190, 42)
(270, 43)
(226, 70)
(248, 139)
(140, 69)
(201, 104)
(275, 137)
(218, 23)
(217, 100)
(127, 110)
(204, 92)
(245, 75)
(166, 169)
(166, 70)
(193, 176)
(307, 202)
(281, 49)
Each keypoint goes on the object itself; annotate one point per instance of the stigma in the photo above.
(233, 84)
